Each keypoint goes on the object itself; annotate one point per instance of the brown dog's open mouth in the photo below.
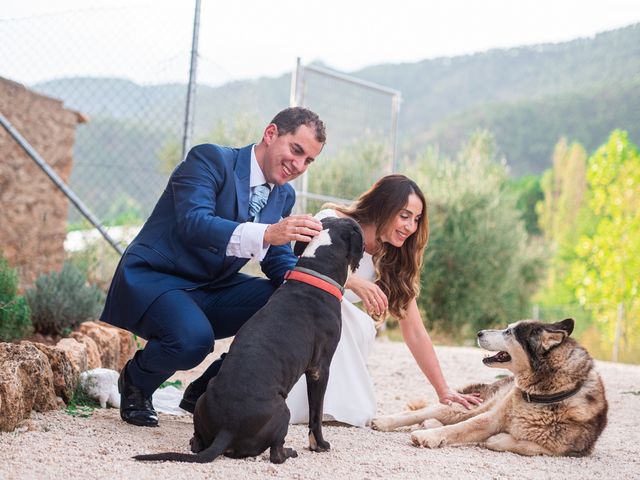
(500, 357)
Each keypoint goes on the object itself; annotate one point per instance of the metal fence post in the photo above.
(395, 113)
(189, 108)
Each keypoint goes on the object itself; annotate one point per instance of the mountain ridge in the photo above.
(444, 99)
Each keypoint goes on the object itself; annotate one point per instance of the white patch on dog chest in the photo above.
(318, 241)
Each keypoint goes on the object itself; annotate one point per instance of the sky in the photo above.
(149, 41)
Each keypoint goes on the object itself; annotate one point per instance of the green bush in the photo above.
(61, 301)
(480, 269)
(15, 322)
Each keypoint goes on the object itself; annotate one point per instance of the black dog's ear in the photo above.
(565, 325)
(550, 338)
(299, 247)
(555, 333)
(356, 247)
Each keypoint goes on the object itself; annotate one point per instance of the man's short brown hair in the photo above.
(289, 119)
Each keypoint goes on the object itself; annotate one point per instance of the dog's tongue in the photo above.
(502, 357)
(499, 357)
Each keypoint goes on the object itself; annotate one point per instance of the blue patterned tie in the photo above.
(258, 199)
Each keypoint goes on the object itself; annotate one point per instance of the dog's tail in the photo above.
(209, 454)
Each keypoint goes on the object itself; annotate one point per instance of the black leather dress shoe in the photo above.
(135, 408)
(190, 397)
(199, 386)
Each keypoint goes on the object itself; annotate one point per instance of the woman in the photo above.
(394, 220)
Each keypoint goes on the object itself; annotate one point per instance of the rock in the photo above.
(108, 341)
(26, 383)
(65, 376)
(127, 345)
(93, 352)
(76, 353)
(28, 425)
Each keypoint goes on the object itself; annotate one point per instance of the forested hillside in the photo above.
(526, 130)
(528, 96)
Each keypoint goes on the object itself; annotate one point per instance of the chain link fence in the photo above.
(115, 169)
(361, 119)
(136, 104)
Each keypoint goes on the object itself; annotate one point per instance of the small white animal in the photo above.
(101, 384)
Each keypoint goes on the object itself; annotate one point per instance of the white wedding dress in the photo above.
(349, 397)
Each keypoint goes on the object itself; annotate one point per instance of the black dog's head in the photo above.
(339, 246)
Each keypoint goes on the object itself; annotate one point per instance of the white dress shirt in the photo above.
(247, 240)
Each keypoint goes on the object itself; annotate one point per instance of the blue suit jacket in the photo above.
(183, 243)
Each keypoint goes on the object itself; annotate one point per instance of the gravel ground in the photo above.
(55, 445)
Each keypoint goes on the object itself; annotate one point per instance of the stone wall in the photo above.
(42, 377)
(33, 209)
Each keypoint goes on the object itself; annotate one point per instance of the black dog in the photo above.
(243, 411)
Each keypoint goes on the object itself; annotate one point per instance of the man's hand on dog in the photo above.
(450, 397)
(294, 228)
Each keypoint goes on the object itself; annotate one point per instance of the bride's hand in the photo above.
(466, 400)
(373, 298)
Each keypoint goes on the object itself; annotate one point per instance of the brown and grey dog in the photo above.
(554, 404)
(243, 411)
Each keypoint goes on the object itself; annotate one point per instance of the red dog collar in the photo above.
(310, 277)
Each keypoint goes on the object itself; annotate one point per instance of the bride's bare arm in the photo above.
(417, 338)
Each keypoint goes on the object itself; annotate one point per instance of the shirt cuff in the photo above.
(247, 241)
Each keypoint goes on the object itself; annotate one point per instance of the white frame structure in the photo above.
(297, 99)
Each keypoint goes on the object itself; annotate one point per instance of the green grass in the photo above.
(81, 404)
(177, 384)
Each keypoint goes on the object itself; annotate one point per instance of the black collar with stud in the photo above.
(554, 398)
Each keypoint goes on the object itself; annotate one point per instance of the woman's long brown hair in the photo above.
(397, 269)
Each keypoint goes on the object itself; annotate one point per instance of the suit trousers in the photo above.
(181, 326)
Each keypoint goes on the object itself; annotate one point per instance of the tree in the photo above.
(350, 172)
(562, 216)
(478, 269)
(529, 194)
(564, 187)
(606, 271)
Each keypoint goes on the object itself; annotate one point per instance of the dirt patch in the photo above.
(57, 445)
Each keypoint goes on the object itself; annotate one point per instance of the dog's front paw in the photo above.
(384, 424)
(430, 423)
(427, 438)
(317, 443)
(320, 446)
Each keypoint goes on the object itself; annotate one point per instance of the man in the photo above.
(177, 285)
